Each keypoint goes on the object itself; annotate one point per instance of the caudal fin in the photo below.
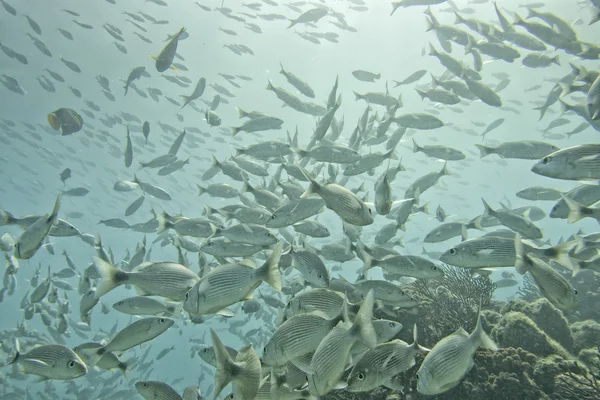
(226, 367)
(575, 209)
(363, 326)
(110, 277)
(163, 222)
(522, 262)
(271, 267)
(481, 337)
(484, 150)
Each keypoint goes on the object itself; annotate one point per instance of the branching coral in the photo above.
(451, 302)
(529, 290)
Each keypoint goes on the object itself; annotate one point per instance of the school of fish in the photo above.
(249, 216)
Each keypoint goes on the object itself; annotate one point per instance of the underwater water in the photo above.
(305, 178)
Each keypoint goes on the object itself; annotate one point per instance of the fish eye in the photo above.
(370, 212)
(121, 303)
(289, 305)
(546, 160)
(272, 216)
(146, 384)
(320, 276)
(434, 268)
(417, 376)
(265, 350)
(162, 320)
(391, 324)
(574, 291)
(360, 376)
(452, 251)
(71, 364)
(187, 295)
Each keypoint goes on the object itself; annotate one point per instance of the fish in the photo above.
(65, 120)
(366, 76)
(571, 163)
(247, 376)
(134, 334)
(164, 279)
(340, 200)
(228, 284)
(50, 361)
(451, 359)
(151, 390)
(135, 74)
(329, 361)
(551, 283)
(167, 54)
(32, 238)
(310, 16)
(378, 365)
(298, 83)
(196, 94)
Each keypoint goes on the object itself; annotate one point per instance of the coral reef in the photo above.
(457, 297)
(516, 329)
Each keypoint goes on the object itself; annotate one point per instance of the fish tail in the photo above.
(163, 222)
(358, 96)
(270, 86)
(110, 277)
(271, 267)
(125, 366)
(201, 190)
(424, 208)
(54, 216)
(484, 150)
(314, 186)
(432, 50)
(235, 131)
(94, 358)
(482, 337)
(15, 358)
(225, 364)
(415, 345)
(363, 326)
(575, 210)
(522, 262)
(301, 153)
(422, 94)
(416, 147)
(556, 60)
(6, 218)
(561, 254)
(368, 262)
(530, 13)
(487, 210)
(241, 113)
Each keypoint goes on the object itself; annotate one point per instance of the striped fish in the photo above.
(311, 267)
(451, 359)
(50, 361)
(163, 279)
(380, 364)
(572, 163)
(329, 361)
(231, 283)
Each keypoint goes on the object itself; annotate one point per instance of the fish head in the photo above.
(386, 329)
(434, 272)
(70, 367)
(319, 279)
(277, 220)
(553, 166)
(273, 354)
(191, 302)
(207, 354)
(461, 255)
(362, 378)
(426, 383)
